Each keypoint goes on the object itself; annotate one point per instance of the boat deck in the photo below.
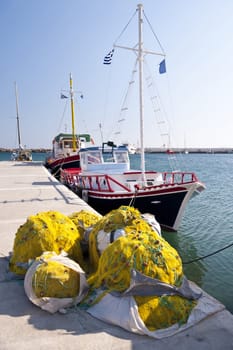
(26, 189)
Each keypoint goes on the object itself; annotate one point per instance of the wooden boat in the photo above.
(106, 181)
(65, 146)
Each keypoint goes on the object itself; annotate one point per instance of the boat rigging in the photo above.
(107, 182)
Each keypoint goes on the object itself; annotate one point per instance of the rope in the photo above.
(157, 39)
(124, 29)
(131, 204)
(123, 115)
(62, 118)
(206, 256)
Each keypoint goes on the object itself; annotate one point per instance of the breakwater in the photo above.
(188, 150)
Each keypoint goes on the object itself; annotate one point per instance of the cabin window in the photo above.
(121, 157)
(94, 158)
(68, 144)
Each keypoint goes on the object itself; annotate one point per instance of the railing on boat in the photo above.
(106, 183)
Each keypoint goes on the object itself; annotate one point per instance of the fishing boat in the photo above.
(66, 146)
(21, 153)
(106, 181)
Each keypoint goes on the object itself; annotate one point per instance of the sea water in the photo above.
(207, 224)
(36, 156)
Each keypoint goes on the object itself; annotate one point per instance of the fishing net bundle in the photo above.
(114, 225)
(54, 282)
(139, 249)
(84, 220)
(121, 242)
(45, 231)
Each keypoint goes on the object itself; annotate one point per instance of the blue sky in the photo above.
(43, 41)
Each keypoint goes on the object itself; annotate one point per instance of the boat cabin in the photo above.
(99, 160)
(63, 144)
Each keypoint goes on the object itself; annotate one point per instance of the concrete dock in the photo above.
(26, 189)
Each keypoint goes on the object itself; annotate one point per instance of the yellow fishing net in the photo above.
(46, 231)
(83, 220)
(115, 219)
(53, 279)
(163, 312)
(137, 247)
(141, 250)
(144, 250)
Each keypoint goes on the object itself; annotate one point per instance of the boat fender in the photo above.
(85, 196)
(105, 238)
(116, 234)
(150, 219)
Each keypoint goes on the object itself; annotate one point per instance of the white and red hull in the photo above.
(166, 195)
(56, 164)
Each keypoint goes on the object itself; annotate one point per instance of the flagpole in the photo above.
(140, 62)
(140, 57)
(72, 113)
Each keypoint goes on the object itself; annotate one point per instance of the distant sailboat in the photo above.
(20, 154)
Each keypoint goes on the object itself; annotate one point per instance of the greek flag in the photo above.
(108, 57)
(63, 96)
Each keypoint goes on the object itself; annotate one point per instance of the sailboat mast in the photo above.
(17, 115)
(141, 102)
(72, 114)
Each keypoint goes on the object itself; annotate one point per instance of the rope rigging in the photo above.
(63, 116)
(124, 107)
(210, 254)
(157, 39)
(124, 29)
(160, 114)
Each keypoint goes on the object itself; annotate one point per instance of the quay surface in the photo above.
(26, 189)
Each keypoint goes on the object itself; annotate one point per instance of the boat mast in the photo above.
(17, 115)
(141, 102)
(140, 57)
(72, 114)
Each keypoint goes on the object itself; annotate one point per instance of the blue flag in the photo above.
(108, 57)
(162, 67)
